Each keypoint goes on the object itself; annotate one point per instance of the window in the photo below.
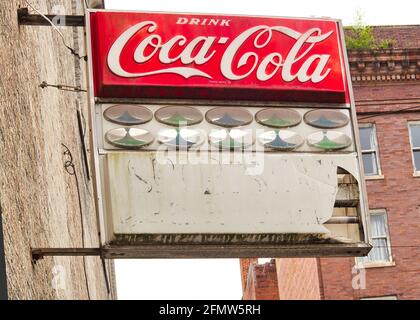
(415, 144)
(369, 147)
(381, 251)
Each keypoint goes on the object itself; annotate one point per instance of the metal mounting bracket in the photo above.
(24, 18)
(40, 253)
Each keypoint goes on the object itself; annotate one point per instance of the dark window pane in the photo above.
(369, 164)
(366, 138)
(415, 135)
(417, 160)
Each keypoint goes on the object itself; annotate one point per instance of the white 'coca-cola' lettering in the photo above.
(199, 51)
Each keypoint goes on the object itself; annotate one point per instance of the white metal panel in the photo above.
(151, 192)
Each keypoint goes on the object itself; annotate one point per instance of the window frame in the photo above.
(412, 148)
(379, 174)
(378, 264)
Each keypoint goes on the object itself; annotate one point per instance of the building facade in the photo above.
(46, 194)
(386, 85)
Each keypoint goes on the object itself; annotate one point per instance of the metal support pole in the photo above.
(24, 18)
(3, 275)
(40, 253)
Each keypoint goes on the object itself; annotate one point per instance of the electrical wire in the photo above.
(71, 170)
(416, 108)
(73, 52)
(84, 123)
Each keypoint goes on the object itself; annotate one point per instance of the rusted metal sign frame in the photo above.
(261, 245)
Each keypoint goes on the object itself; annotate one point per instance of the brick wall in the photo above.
(298, 279)
(398, 193)
(39, 200)
(336, 278)
(245, 265)
(261, 281)
(404, 36)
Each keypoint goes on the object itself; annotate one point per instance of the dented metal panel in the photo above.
(155, 193)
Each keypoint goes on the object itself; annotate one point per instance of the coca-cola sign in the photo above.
(158, 55)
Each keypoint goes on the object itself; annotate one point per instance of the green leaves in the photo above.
(361, 37)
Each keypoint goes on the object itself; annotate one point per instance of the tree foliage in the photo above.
(360, 37)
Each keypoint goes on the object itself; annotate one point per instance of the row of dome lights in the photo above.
(228, 117)
(226, 139)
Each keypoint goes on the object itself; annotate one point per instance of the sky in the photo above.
(211, 279)
(375, 12)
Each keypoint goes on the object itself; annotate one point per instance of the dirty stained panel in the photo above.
(161, 193)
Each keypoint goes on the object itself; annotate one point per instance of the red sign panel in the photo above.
(159, 55)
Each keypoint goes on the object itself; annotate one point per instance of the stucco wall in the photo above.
(39, 199)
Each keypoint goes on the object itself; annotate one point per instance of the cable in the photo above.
(73, 52)
(71, 170)
(390, 112)
(84, 124)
